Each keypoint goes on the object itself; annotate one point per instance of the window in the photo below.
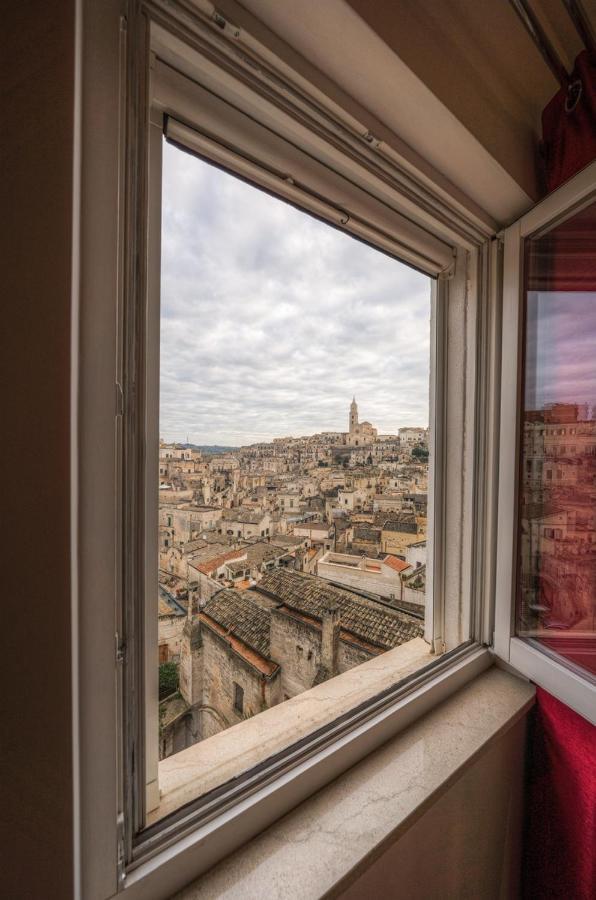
(238, 699)
(556, 594)
(549, 632)
(292, 306)
(217, 105)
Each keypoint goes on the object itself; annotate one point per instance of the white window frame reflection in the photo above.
(537, 664)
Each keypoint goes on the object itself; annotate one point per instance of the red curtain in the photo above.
(568, 130)
(559, 858)
(560, 830)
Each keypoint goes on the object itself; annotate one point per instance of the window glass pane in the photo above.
(557, 549)
(294, 455)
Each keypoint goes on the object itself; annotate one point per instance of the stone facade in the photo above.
(247, 651)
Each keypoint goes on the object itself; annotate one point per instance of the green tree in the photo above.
(420, 453)
(168, 679)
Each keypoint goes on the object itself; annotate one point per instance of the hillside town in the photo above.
(283, 564)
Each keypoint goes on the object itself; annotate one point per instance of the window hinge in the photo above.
(121, 861)
(120, 649)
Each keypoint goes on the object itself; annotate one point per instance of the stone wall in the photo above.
(296, 646)
(350, 655)
(222, 668)
(170, 632)
(397, 542)
(413, 600)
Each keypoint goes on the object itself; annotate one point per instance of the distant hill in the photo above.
(209, 448)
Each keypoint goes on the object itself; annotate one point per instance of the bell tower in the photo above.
(353, 415)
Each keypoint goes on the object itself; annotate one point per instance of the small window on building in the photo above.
(238, 699)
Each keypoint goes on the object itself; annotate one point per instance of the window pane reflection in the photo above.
(557, 535)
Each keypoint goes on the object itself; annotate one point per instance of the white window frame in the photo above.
(116, 388)
(526, 656)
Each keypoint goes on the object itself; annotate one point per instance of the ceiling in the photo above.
(461, 84)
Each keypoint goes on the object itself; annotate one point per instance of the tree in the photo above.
(168, 679)
(420, 453)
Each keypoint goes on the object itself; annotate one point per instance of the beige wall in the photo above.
(36, 163)
(466, 845)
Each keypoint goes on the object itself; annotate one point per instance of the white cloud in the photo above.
(271, 320)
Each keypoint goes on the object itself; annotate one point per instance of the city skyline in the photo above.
(188, 438)
(272, 320)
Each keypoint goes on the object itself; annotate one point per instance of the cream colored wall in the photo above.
(468, 842)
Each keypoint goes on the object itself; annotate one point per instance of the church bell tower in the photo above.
(353, 415)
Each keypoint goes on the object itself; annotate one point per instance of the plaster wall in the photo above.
(37, 74)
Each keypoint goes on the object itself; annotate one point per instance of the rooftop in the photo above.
(214, 562)
(263, 552)
(363, 618)
(240, 617)
(246, 518)
(398, 565)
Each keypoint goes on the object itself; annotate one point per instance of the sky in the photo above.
(560, 350)
(271, 320)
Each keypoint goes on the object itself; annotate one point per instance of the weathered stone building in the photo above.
(245, 651)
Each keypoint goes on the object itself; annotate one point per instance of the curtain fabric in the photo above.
(568, 131)
(559, 859)
(560, 826)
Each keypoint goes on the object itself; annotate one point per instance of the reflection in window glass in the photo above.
(557, 549)
(292, 515)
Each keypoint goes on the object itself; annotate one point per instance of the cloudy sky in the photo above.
(560, 354)
(271, 320)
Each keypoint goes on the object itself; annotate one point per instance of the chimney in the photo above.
(330, 638)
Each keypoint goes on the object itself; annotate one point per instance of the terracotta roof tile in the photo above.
(396, 563)
(365, 619)
(241, 617)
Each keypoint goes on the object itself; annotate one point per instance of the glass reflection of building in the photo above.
(557, 484)
(558, 527)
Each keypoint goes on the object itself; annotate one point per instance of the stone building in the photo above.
(245, 524)
(366, 538)
(413, 436)
(245, 651)
(359, 433)
(171, 618)
(399, 532)
(381, 577)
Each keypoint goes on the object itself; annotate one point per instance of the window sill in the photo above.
(204, 766)
(331, 837)
(458, 712)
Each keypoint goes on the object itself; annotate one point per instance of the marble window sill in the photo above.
(192, 772)
(333, 835)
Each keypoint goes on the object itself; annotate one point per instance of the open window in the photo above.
(546, 582)
(212, 91)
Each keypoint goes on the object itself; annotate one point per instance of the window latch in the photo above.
(120, 649)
